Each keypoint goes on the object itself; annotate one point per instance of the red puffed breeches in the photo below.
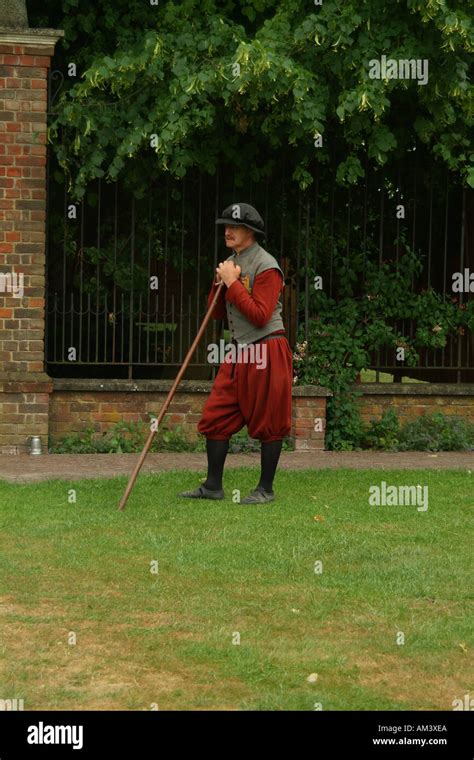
(244, 394)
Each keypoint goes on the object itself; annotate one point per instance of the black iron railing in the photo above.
(128, 275)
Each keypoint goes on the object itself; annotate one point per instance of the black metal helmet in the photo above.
(242, 215)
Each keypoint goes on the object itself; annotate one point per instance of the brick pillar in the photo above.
(25, 56)
(309, 417)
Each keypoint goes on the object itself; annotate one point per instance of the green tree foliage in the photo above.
(245, 82)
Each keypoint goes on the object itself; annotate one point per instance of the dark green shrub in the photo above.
(125, 438)
(383, 434)
(437, 432)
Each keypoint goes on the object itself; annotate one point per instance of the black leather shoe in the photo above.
(201, 492)
(258, 496)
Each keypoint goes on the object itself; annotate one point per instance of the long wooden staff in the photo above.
(168, 399)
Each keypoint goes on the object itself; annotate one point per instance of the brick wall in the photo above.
(79, 404)
(24, 61)
(76, 405)
(75, 411)
(412, 400)
(309, 420)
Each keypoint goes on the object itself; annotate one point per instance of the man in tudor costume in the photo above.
(248, 393)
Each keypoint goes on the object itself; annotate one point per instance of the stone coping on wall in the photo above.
(25, 382)
(204, 386)
(415, 389)
(13, 382)
(159, 386)
(27, 35)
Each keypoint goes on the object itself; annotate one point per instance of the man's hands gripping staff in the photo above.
(228, 272)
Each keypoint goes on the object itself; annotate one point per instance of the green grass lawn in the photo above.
(166, 639)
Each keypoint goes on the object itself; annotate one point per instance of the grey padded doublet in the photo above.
(253, 261)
